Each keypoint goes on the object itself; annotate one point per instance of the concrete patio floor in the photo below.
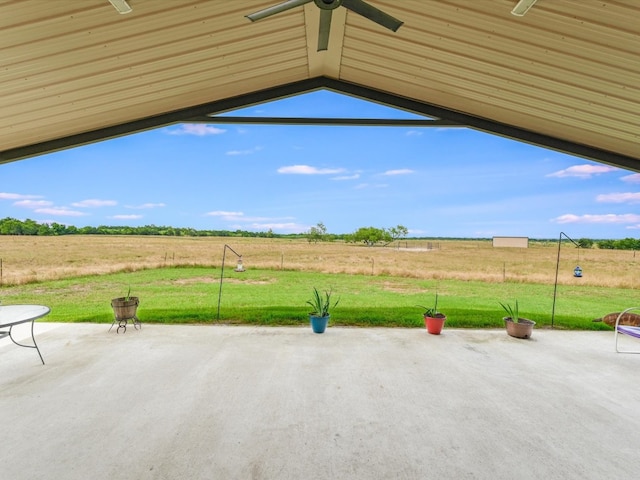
(224, 402)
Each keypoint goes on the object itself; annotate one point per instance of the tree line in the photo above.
(12, 226)
(367, 235)
(622, 244)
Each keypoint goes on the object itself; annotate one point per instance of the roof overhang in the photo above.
(565, 76)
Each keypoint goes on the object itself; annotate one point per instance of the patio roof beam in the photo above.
(343, 122)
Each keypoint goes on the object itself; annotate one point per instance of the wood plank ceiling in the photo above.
(566, 75)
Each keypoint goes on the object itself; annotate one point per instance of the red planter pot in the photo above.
(434, 324)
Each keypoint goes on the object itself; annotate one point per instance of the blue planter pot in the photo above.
(319, 324)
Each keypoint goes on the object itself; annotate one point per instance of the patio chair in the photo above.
(625, 330)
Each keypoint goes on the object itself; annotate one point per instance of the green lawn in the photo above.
(275, 297)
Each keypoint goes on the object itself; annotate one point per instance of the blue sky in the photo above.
(444, 182)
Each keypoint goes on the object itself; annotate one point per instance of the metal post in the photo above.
(555, 287)
(224, 253)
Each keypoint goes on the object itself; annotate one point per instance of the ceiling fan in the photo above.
(326, 6)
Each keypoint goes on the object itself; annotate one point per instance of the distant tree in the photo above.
(622, 244)
(606, 244)
(398, 233)
(585, 243)
(11, 226)
(57, 229)
(29, 227)
(628, 244)
(317, 234)
(44, 230)
(370, 235)
(87, 230)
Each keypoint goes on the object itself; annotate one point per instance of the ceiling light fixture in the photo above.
(121, 6)
(522, 7)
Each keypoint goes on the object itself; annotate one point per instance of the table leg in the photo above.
(33, 338)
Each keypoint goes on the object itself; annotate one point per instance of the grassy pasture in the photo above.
(178, 279)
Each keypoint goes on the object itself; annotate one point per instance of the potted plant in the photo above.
(516, 326)
(433, 319)
(321, 304)
(125, 308)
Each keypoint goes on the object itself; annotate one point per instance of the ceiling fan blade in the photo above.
(373, 14)
(325, 28)
(281, 7)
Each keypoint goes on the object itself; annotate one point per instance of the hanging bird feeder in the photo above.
(240, 267)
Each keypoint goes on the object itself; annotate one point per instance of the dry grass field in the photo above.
(27, 259)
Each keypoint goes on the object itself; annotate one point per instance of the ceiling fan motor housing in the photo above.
(328, 4)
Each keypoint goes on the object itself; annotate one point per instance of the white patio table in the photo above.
(12, 315)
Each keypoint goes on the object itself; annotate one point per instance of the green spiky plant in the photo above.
(432, 311)
(321, 303)
(512, 312)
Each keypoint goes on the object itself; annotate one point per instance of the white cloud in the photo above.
(413, 133)
(309, 170)
(198, 129)
(256, 220)
(32, 203)
(264, 219)
(242, 218)
(634, 227)
(627, 197)
(582, 171)
(17, 196)
(60, 211)
(249, 151)
(94, 202)
(146, 205)
(607, 218)
(222, 213)
(401, 171)
(126, 217)
(355, 176)
(360, 186)
(236, 217)
(633, 178)
(244, 222)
